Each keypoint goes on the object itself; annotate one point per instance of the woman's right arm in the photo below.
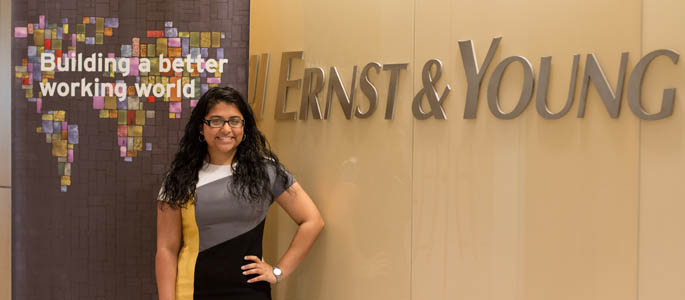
(168, 245)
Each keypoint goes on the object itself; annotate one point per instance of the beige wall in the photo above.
(5, 149)
(661, 162)
(529, 208)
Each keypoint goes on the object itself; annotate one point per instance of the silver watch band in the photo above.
(277, 273)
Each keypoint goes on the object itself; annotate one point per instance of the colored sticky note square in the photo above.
(100, 25)
(126, 50)
(59, 148)
(143, 50)
(98, 102)
(38, 37)
(60, 167)
(20, 32)
(59, 115)
(110, 102)
(65, 29)
(56, 128)
(140, 117)
(174, 52)
(65, 180)
(216, 40)
(184, 34)
(134, 103)
(99, 38)
(148, 146)
(112, 22)
(122, 131)
(194, 52)
(185, 47)
(174, 42)
(138, 144)
(47, 126)
(154, 65)
(104, 114)
(80, 28)
(194, 39)
(205, 39)
(155, 33)
(175, 107)
(67, 169)
(170, 32)
(161, 47)
(57, 45)
(122, 103)
(73, 134)
(113, 114)
(121, 118)
(150, 114)
(131, 117)
(151, 50)
(135, 130)
(135, 47)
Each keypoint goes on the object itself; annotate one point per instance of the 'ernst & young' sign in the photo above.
(313, 81)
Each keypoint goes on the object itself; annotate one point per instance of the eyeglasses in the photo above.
(219, 122)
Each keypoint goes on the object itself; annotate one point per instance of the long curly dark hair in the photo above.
(250, 178)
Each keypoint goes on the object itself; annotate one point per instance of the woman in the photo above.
(214, 201)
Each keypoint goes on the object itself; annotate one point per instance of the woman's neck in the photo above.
(221, 158)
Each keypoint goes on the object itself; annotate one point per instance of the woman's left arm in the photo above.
(302, 210)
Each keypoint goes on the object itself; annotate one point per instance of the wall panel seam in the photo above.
(639, 165)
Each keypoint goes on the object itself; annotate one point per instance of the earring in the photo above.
(243, 138)
(201, 138)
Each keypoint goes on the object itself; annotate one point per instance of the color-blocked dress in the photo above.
(219, 230)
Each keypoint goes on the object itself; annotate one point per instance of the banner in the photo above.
(102, 91)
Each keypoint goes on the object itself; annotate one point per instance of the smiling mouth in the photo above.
(226, 138)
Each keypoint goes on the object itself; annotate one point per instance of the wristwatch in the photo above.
(278, 272)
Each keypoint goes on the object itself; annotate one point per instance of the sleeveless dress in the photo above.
(219, 230)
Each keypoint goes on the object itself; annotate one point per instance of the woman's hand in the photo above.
(259, 266)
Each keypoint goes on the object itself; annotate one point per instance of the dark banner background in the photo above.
(93, 236)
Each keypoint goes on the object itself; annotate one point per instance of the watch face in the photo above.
(277, 271)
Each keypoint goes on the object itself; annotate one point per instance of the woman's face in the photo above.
(225, 139)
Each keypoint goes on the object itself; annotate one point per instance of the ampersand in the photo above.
(430, 93)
